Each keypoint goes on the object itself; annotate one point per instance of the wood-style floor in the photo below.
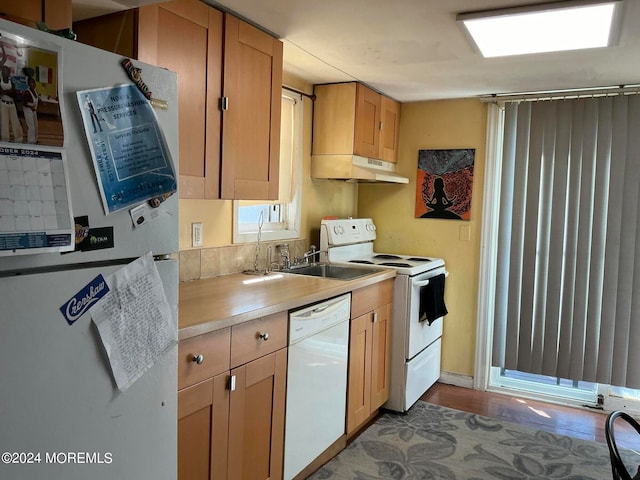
(562, 420)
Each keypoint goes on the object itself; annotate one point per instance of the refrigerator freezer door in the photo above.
(58, 398)
(83, 68)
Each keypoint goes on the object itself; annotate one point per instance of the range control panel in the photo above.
(346, 231)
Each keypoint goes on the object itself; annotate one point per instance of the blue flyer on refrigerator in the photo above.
(130, 156)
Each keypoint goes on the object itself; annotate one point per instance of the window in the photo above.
(568, 241)
(590, 154)
(280, 219)
(573, 391)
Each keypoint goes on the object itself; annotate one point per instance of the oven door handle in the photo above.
(424, 283)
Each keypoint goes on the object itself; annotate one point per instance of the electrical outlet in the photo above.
(196, 234)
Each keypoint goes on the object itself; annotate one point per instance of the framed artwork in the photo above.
(444, 183)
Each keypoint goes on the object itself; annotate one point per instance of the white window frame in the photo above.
(289, 225)
(487, 377)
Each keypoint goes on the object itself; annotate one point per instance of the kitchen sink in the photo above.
(330, 271)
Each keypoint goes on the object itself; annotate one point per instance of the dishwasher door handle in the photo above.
(320, 310)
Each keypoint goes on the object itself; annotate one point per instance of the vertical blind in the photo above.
(568, 273)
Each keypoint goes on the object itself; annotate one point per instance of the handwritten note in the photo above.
(134, 321)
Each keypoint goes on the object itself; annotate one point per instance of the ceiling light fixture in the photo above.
(549, 27)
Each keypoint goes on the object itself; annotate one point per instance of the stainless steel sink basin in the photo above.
(330, 271)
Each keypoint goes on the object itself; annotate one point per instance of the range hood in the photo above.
(354, 168)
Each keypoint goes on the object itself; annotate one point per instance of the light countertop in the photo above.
(211, 304)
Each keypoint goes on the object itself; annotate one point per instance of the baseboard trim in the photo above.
(456, 379)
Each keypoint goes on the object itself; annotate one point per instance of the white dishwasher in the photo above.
(316, 381)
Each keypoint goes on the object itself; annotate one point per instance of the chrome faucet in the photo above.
(284, 253)
(311, 253)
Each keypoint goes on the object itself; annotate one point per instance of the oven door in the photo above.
(421, 334)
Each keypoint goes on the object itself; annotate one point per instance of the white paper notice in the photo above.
(134, 320)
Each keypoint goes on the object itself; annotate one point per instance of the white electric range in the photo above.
(415, 343)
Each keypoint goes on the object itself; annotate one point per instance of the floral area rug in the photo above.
(430, 442)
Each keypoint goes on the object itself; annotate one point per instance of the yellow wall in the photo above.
(434, 125)
(437, 124)
(319, 197)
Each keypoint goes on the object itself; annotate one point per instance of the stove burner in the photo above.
(395, 264)
(383, 256)
(368, 262)
(419, 259)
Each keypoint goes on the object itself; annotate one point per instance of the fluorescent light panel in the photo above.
(537, 29)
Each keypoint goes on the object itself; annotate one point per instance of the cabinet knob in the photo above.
(264, 336)
(199, 359)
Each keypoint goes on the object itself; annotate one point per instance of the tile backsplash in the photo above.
(213, 262)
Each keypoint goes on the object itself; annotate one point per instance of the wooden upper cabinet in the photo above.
(56, 14)
(367, 141)
(115, 32)
(184, 36)
(192, 49)
(350, 118)
(251, 116)
(389, 129)
(231, 155)
(334, 119)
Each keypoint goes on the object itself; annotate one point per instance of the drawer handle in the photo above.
(199, 359)
(264, 336)
(375, 317)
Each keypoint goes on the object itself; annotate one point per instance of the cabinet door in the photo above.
(193, 50)
(55, 13)
(367, 139)
(389, 128)
(251, 121)
(334, 117)
(203, 413)
(380, 355)
(256, 418)
(115, 32)
(359, 381)
(25, 9)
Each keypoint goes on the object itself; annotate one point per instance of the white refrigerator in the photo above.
(61, 414)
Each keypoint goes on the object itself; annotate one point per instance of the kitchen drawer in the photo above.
(369, 298)
(214, 348)
(259, 337)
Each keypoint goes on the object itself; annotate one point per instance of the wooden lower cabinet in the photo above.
(380, 355)
(369, 353)
(203, 419)
(256, 418)
(359, 386)
(231, 402)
